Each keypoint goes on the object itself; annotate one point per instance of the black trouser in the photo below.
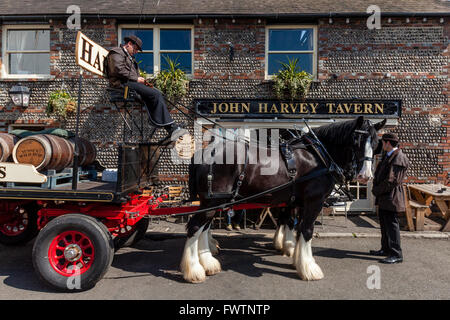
(390, 233)
(155, 104)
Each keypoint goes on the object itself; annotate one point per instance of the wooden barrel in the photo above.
(44, 151)
(7, 142)
(87, 150)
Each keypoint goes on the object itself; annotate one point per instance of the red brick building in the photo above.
(231, 51)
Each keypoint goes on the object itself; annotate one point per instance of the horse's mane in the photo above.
(336, 133)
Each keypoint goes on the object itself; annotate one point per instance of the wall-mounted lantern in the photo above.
(20, 95)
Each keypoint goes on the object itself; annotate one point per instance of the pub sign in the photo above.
(308, 108)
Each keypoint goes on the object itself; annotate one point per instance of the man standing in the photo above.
(387, 188)
(122, 70)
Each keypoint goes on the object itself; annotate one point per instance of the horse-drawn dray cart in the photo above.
(80, 223)
(78, 229)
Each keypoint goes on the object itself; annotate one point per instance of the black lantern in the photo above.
(20, 95)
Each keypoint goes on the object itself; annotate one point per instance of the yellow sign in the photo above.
(89, 55)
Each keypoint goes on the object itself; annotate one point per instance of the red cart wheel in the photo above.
(69, 251)
(73, 252)
(21, 225)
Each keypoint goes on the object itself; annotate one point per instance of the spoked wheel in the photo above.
(73, 252)
(132, 236)
(21, 224)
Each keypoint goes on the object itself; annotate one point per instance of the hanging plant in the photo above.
(61, 104)
(291, 82)
(173, 82)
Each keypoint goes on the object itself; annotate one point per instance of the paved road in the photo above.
(251, 270)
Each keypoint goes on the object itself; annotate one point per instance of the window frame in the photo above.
(290, 26)
(156, 42)
(5, 53)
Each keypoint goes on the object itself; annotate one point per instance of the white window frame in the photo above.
(5, 53)
(156, 42)
(297, 26)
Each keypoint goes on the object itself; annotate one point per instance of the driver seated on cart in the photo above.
(123, 70)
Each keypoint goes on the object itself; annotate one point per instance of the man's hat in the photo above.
(390, 137)
(135, 40)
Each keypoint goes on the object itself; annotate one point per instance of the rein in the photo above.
(309, 176)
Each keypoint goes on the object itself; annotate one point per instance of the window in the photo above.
(285, 43)
(26, 53)
(159, 43)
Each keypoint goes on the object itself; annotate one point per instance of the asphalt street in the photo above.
(252, 269)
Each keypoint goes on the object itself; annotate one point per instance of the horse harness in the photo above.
(303, 142)
(287, 151)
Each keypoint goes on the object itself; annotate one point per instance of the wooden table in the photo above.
(425, 193)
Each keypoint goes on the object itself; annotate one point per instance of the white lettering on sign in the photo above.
(89, 55)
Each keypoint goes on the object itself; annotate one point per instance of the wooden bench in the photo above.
(414, 209)
(174, 193)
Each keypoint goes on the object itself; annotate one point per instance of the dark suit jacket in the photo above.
(121, 68)
(387, 183)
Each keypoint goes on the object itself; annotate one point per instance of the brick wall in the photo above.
(407, 61)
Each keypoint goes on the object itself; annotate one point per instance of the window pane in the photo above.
(175, 39)
(146, 35)
(145, 61)
(29, 40)
(184, 60)
(305, 61)
(29, 63)
(290, 39)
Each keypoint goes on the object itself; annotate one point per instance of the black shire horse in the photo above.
(350, 144)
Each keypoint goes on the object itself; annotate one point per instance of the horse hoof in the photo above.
(213, 271)
(195, 277)
(211, 265)
(310, 272)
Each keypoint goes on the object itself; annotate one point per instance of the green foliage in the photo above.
(61, 104)
(173, 81)
(291, 82)
(142, 73)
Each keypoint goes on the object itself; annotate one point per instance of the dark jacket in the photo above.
(387, 183)
(121, 68)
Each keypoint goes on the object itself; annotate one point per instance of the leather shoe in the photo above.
(378, 253)
(391, 260)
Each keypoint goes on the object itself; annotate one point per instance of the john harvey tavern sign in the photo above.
(308, 108)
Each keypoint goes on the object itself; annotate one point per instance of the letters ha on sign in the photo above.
(89, 55)
(20, 172)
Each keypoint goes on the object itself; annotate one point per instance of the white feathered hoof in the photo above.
(193, 273)
(278, 238)
(306, 266)
(190, 265)
(288, 249)
(288, 242)
(210, 264)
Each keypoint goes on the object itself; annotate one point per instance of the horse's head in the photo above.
(365, 145)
